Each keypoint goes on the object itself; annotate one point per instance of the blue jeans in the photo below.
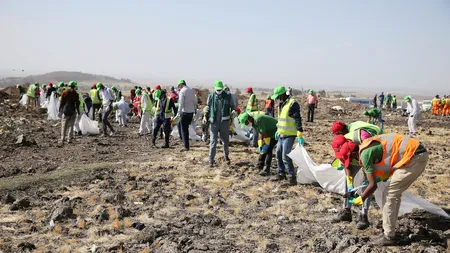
(219, 129)
(347, 204)
(284, 147)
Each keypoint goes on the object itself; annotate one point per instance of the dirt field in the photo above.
(118, 194)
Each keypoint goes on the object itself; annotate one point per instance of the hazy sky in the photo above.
(332, 44)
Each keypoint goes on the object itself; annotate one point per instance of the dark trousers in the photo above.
(106, 111)
(186, 119)
(266, 159)
(311, 108)
(269, 111)
(95, 107)
(158, 123)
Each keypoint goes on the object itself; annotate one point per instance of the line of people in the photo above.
(440, 106)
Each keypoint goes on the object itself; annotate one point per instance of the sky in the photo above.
(383, 44)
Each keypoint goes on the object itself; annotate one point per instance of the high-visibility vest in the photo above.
(286, 125)
(94, 97)
(168, 112)
(435, 101)
(251, 107)
(397, 151)
(447, 101)
(394, 101)
(256, 113)
(268, 103)
(354, 135)
(149, 106)
(81, 98)
(31, 92)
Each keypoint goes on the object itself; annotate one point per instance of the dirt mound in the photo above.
(13, 91)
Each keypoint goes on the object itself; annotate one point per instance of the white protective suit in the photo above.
(122, 110)
(414, 113)
(146, 120)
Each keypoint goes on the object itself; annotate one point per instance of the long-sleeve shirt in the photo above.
(107, 95)
(294, 112)
(162, 107)
(186, 100)
(413, 108)
(70, 96)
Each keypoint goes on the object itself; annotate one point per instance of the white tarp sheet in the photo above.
(334, 181)
(192, 134)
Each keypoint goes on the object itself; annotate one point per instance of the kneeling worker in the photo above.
(266, 126)
(395, 156)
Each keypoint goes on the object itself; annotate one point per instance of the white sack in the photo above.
(42, 99)
(333, 180)
(240, 132)
(53, 107)
(88, 126)
(24, 100)
(192, 133)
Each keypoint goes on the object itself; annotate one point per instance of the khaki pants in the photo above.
(67, 124)
(400, 182)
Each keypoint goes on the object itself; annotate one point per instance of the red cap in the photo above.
(158, 87)
(238, 110)
(249, 89)
(337, 127)
(94, 85)
(343, 149)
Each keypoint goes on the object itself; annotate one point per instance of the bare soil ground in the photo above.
(118, 194)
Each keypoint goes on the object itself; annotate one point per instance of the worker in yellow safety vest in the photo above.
(96, 100)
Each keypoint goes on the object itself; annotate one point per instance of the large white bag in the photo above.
(24, 100)
(88, 126)
(53, 107)
(333, 180)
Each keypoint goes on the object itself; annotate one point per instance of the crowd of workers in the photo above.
(440, 106)
(358, 145)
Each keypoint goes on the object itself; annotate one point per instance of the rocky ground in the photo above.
(118, 194)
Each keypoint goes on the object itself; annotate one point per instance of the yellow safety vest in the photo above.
(31, 92)
(94, 97)
(150, 104)
(80, 96)
(256, 113)
(168, 113)
(249, 103)
(286, 125)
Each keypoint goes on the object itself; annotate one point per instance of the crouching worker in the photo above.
(266, 126)
(355, 132)
(123, 108)
(395, 156)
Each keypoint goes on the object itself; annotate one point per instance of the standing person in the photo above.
(21, 91)
(266, 126)
(37, 95)
(355, 132)
(96, 100)
(375, 115)
(252, 106)
(381, 97)
(107, 100)
(82, 108)
(31, 94)
(312, 105)
(133, 93)
(394, 103)
(289, 128)
(388, 101)
(220, 108)
(446, 106)
(69, 108)
(414, 112)
(50, 90)
(435, 102)
(269, 106)
(187, 107)
(233, 96)
(375, 157)
(164, 111)
(375, 101)
(146, 107)
(118, 95)
(88, 102)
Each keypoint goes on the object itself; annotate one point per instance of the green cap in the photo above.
(280, 90)
(99, 85)
(243, 118)
(157, 94)
(407, 98)
(311, 92)
(61, 84)
(36, 83)
(113, 88)
(181, 82)
(365, 113)
(218, 85)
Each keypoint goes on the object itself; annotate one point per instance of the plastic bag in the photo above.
(24, 100)
(42, 99)
(192, 134)
(88, 126)
(53, 107)
(333, 180)
(240, 132)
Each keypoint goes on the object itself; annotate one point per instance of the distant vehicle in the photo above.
(362, 101)
(426, 105)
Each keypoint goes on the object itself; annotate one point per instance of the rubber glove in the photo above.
(356, 201)
(300, 139)
(349, 183)
(277, 136)
(263, 145)
(247, 134)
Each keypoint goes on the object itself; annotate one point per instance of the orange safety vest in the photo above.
(397, 151)
(268, 103)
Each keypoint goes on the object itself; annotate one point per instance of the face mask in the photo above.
(279, 100)
(218, 92)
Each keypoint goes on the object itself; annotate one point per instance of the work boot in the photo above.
(265, 172)
(293, 181)
(165, 146)
(211, 164)
(343, 215)
(279, 177)
(384, 241)
(363, 222)
(227, 160)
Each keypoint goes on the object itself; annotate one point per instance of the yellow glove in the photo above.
(357, 201)
(349, 180)
(299, 134)
(260, 143)
(266, 141)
